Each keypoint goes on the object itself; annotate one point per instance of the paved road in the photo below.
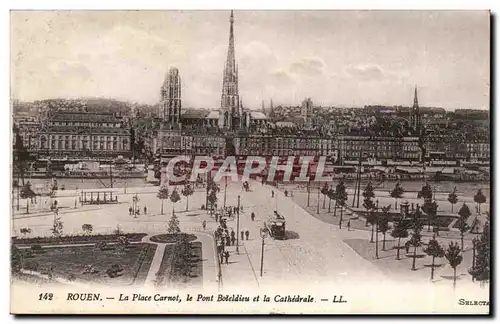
(316, 255)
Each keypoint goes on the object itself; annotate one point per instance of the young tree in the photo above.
(324, 192)
(452, 198)
(464, 213)
(212, 199)
(87, 228)
(162, 195)
(454, 256)
(400, 231)
(173, 225)
(434, 250)
(481, 269)
(425, 192)
(416, 238)
(479, 199)
(430, 209)
(383, 224)
(397, 193)
(463, 227)
(28, 194)
(331, 196)
(174, 198)
(341, 198)
(339, 190)
(186, 192)
(369, 205)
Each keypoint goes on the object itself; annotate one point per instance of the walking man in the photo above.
(272, 193)
(247, 234)
(145, 210)
(204, 224)
(242, 235)
(252, 216)
(349, 225)
(130, 210)
(226, 255)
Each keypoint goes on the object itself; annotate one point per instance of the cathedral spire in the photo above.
(415, 98)
(230, 102)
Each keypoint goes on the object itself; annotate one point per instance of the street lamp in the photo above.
(263, 234)
(225, 190)
(238, 228)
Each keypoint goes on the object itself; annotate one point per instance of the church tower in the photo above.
(229, 113)
(415, 114)
(170, 102)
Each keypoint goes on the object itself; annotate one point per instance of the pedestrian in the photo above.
(247, 234)
(272, 193)
(145, 210)
(349, 225)
(233, 240)
(130, 210)
(228, 240)
(242, 235)
(286, 193)
(252, 216)
(216, 217)
(233, 234)
(226, 255)
(204, 224)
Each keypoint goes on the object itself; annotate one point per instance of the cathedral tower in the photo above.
(170, 102)
(415, 114)
(229, 113)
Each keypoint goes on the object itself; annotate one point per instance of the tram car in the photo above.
(276, 226)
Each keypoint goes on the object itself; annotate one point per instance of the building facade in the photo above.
(80, 135)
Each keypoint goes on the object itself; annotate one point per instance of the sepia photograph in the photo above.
(250, 162)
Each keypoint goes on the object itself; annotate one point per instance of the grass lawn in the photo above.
(195, 279)
(401, 269)
(68, 261)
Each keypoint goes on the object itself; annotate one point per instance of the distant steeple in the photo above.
(415, 98)
(415, 114)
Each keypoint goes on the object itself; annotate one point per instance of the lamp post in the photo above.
(238, 228)
(225, 190)
(317, 206)
(308, 192)
(263, 235)
(376, 232)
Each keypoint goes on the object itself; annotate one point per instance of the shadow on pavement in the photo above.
(291, 235)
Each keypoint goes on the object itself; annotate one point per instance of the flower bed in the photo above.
(171, 238)
(77, 239)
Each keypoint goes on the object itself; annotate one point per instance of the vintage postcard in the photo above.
(250, 162)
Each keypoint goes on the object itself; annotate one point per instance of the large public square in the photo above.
(315, 250)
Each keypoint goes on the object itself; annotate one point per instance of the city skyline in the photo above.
(89, 54)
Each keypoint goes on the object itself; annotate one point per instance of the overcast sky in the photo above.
(343, 58)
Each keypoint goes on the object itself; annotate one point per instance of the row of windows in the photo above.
(116, 125)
